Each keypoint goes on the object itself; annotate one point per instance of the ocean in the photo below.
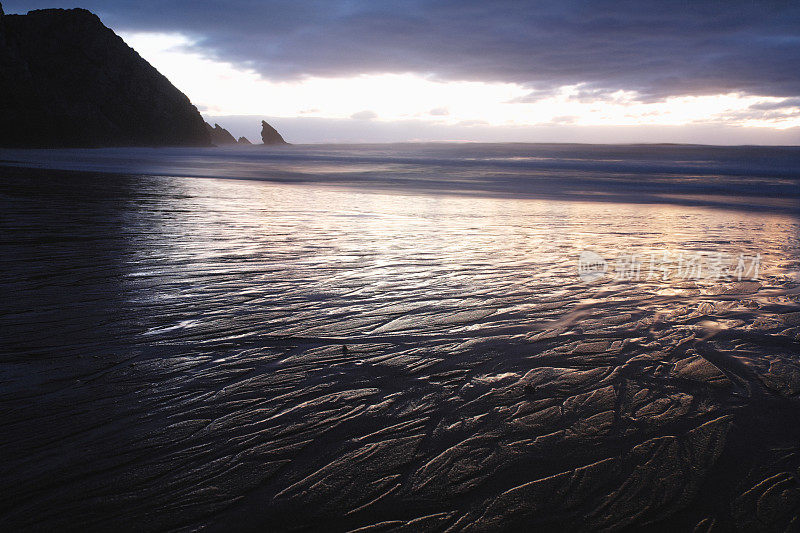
(418, 336)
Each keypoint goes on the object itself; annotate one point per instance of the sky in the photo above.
(715, 72)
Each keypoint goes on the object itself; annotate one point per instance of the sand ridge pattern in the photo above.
(183, 353)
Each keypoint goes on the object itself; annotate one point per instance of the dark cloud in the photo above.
(656, 47)
(782, 104)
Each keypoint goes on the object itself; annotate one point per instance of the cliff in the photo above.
(270, 135)
(66, 80)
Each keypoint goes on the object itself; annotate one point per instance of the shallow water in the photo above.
(752, 177)
(184, 352)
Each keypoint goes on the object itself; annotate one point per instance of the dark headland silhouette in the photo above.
(66, 80)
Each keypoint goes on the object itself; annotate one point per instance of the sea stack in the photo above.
(219, 135)
(66, 80)
(270, 135)
(244, 140)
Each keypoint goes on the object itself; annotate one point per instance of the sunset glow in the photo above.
(221, 88)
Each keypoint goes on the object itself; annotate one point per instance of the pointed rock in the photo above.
(270, 135)
(244, 140)
(219, 135)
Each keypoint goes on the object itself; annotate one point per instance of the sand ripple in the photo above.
(189, 353)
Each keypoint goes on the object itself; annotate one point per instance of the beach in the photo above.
(401, 337)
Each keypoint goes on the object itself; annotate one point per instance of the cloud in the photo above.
(566, 119)
(364, 115)
(782, 104)
(439, 112)
(658, 48)
(472, 123)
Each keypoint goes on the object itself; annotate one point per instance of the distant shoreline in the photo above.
(414, 143)
(598, 177)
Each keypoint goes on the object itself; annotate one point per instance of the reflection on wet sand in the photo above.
(230, 353)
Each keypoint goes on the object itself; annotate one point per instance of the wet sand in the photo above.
(184, 353)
